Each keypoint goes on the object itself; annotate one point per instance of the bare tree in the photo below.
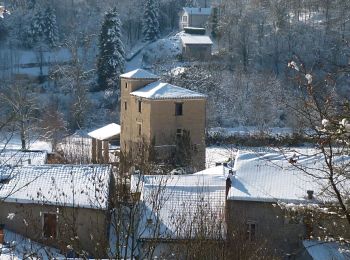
(326, 122)
(21, 109)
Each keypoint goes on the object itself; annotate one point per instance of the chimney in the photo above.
(2, 234)
(228, 182)
(310, 194)
(228, 185)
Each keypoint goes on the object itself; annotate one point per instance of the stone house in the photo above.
(196, 47)
(160, 115)
(263, 186)
(194, 17)
(177, 210)
(64, 206)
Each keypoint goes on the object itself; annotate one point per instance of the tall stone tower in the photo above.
(160, 114)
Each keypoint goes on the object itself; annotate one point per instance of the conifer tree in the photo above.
(37, 30)
(191, 3)
(51, 30)
(44, 28)
(111, 60)
(215, 23)
(150, 23)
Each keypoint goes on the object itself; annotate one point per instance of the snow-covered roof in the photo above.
(106, 133)
(269, 177)
(139, 74)
(160, 90)
(178, 204)
(19, 247)
(18, 157)
(85, 186)
(326, 250)
(189, 39)
(197, 10)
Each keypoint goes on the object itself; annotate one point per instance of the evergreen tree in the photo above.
(44, 28)
(191, 3)
(37, 30)
(111, 60)
(214, 23)
(51, 30)
(150, 23)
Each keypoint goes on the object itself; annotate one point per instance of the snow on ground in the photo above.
(34, 144)
(218, 154)
(166, 49)
(59, 55)
(162, 50)
(178, 71)
(250, 130)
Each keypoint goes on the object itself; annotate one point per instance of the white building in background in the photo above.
(194, 17)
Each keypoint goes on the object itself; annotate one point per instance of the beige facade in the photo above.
(147, 119)
(83, 228)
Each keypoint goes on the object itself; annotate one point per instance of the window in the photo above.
(251, 230)
(125, 106)
(49, 225)
(178, 109)
(184, 19)
(139, 106)
(178, 133)
(126, 84)
(139, 128)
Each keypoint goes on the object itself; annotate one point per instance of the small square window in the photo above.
(49, 225)
(178, 109)
(139, 106)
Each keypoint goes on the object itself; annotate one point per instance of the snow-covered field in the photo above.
(250, 130)
(218, 154)
(160, 51)
(34, 144)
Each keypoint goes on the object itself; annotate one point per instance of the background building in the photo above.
(194, 17)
